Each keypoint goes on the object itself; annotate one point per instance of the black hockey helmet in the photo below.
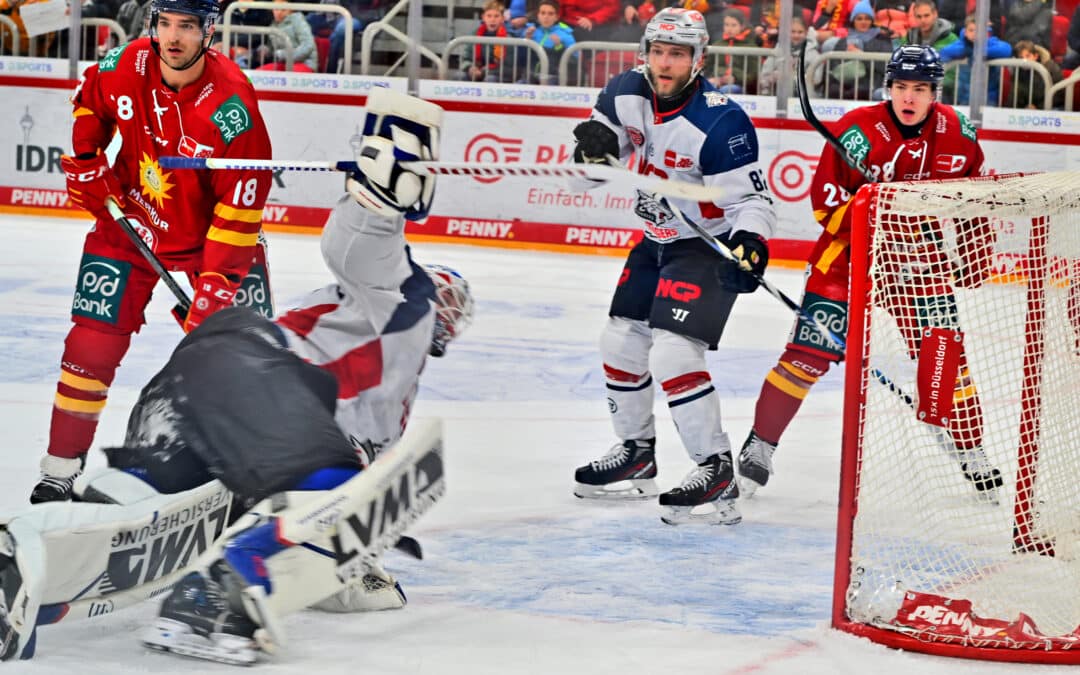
(207, 11)
(918, 63)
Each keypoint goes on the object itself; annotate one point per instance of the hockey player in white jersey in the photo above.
(675, 293)
(253, 404)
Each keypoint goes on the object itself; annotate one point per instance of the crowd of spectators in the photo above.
(1033, 30)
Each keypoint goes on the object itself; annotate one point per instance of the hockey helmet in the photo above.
(453, 306)
(677, 26)
(207, 11)
(916, 63)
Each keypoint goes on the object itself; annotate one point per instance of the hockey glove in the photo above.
(91, 181)
(212, 292)
(595, 141)
(753, 255)
(382, 185)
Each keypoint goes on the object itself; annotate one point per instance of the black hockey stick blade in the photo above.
(409, 547)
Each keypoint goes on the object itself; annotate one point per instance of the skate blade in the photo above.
(747, 487)
(177, 638)
(720, 512)
(627, 490)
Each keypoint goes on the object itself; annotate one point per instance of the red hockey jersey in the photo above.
(208, 220)
(946, 148)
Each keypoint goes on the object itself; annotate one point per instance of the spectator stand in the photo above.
(1071, 86)
(856, 83)
(385, 42)
(522, 57)
(229, 30)
(98, 37)
(1012, 71)
(744, 63)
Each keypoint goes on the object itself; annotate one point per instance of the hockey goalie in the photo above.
(264, 468)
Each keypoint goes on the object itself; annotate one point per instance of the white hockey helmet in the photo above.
(453, 306)
(677, 26)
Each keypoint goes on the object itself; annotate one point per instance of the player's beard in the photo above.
(668, 88)
(187, 56)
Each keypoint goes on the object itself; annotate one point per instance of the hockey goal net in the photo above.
(959, 526)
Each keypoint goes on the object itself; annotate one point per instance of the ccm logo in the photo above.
(680, 291)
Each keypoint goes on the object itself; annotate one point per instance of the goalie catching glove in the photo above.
(397, 128)
(753, 254)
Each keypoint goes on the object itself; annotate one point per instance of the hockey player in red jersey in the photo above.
(911, 136)
(162, 95)
(675, 293)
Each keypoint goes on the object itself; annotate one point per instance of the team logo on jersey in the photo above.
(155, 182)
(657, 215)
(856, 142)
(949, 163)
(111, 59)
(636, 137)
(715, 98)
(232, 118)
(674, 160)
(100, 288)
(966, 127)
(189, 147)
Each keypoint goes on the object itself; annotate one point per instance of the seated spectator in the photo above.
(1029, 20)
(1072, 54)
(931, 29)
(738, 73)
(331, 25)
(298, 34)
(963, 50)
(829, 20)
(551, 34)
(1029, 89)
(957, 11)
(487, 62)
(765, 17)
(592, 19)
(244, 45)
(851, 79)
(773, 69)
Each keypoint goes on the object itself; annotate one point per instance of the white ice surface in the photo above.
(519, 576)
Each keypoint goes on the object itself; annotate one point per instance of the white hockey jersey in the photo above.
(708, 140)
(372, 329)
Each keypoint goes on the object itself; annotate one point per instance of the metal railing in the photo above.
(591, 71)
(8, 25)
(1068, 86)
(509, 68)
(744, 64)
(367, 39)
(227, 29)
(846, 75)
(269, 31)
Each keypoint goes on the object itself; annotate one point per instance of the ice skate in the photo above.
(627, 471)
(755, 464)
(983, 475)
(196, 621)
(711, 489)
(58, 475)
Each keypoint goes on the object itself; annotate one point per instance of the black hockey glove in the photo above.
(595, 141)
(753, 252)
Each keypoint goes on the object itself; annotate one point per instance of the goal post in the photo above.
(959, 518)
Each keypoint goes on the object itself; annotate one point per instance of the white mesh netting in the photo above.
(994, 261)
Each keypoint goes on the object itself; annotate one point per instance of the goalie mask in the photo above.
(676, 26)
(453, 306)
(397, 128)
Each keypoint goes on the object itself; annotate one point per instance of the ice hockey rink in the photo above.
(519, 576)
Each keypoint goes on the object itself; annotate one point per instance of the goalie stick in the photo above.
(597, 172)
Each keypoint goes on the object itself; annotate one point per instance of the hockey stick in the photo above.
(597, 172)
(183, 303)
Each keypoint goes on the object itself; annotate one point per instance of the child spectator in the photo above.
(738, 73)
(963, 49)
(488, 59)
(1029, 20)
(1028, 87)
(553, 35)
(298, 34)
(772, 70)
